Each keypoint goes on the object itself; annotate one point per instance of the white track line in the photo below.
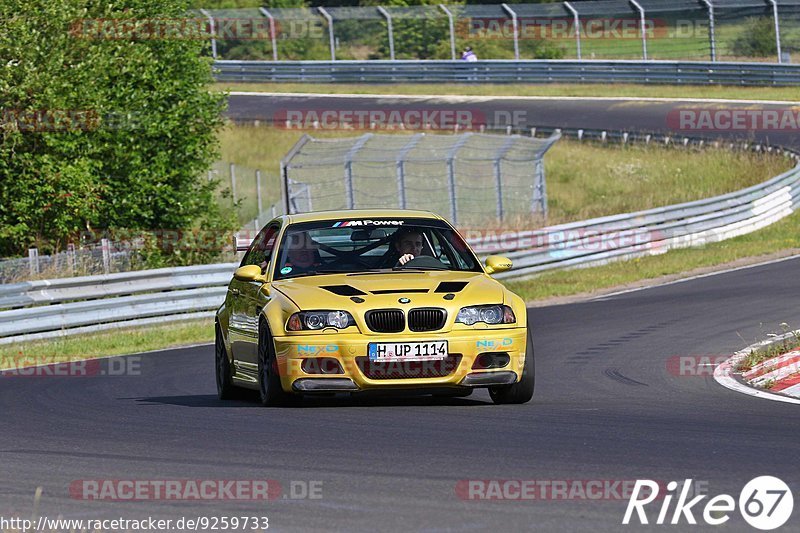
(455, 97)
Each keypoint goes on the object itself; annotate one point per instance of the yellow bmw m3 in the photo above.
(349, 301)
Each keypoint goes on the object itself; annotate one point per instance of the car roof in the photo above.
(350, 214)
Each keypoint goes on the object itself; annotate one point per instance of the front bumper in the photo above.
(358, 373)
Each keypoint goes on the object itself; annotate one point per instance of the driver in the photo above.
(302, 255)
(406, 245)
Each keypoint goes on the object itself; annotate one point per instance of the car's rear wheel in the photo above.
(269, 379)
(521, 391)
(226, 390)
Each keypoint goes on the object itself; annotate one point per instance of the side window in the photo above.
(261, 249)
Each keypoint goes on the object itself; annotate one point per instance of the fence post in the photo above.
(390, 28)
(643, 25)
(577, 23)
(271, 32)
(258, 191)
(498, 176)
(401, 168)
(33, 260)
(348, 170)
(213, 32)
(711, 32)
(452, 30)
(233, 182)
(777, 30)
(106, 248)
(540, 190)
(451, 175)
(515, 25)
(332, 39)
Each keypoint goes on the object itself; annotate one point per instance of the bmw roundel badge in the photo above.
(404, 300)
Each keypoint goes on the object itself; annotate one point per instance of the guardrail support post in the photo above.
(33, 261)
(711, 32)
(452, 31)
(515, 25)
(271, 32)
(105, 246)
(390, 29)
(577, 23)
(331, 38)
(777, 30)
(643, 24)
(212, 27)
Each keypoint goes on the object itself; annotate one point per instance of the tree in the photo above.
(102, 127)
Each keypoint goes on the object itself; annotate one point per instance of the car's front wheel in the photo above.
(521, 391)
(269, 380)
(226, 390)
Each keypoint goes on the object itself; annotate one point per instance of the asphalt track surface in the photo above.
(523, 113)
(608, 406)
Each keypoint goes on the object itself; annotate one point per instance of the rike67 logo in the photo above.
(765, 503)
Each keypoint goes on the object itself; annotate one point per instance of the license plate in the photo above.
(407, 351)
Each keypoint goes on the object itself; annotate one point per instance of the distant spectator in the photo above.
(468, 54)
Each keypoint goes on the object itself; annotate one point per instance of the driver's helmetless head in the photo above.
(302, 250)
(409, 242)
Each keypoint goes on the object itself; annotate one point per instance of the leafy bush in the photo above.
(140, 127)
(757, 39)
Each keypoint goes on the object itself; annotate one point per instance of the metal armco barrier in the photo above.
(168, 293)
(96, 303)
(510, 71)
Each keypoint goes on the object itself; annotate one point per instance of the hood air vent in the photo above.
(451, 286)
(344, 290)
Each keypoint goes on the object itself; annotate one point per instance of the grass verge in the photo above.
(115, 342)
(789, 342)
(788, 94)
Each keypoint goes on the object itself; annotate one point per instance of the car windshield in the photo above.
(371, 245)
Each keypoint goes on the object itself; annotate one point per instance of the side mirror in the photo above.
(497, 263)
(250, 273)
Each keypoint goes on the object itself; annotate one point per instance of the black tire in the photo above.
(269, 381)
(226, 390)
(521, 391)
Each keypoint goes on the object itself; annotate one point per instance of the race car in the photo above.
(360, 300)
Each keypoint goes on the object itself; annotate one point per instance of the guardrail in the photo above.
(510, 71)
(94, 303)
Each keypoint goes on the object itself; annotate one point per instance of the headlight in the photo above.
(320, 319)
(490, 314)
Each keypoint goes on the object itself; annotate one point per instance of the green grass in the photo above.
(115, 342)
(790, 342)
(584, 180)
(788, 94)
